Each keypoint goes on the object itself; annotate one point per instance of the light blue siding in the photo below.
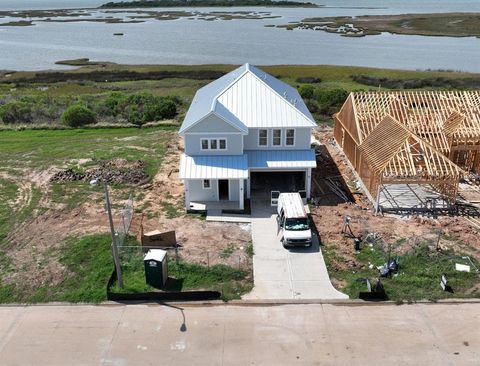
(213, 124)
(198, 193)
(233, 190)
(302, 140)
(193, 144)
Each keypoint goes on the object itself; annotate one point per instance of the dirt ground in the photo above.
(402, 232)
(31, 244)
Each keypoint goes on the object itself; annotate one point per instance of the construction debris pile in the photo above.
(114, 171)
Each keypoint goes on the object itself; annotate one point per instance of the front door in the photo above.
(223, 189)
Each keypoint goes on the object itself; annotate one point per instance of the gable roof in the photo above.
(249, 98)
(383, 143)
(395, 152)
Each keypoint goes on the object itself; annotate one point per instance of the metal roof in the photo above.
(213, 167)
(252, 97)
(259, 159)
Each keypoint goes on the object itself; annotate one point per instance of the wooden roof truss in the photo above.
(442, 118)
(396, 154)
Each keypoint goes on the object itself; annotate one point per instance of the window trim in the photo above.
(294, 136)
(209, 183)
(280, 138)
(218, 144)
(201, 144)
(266, 137)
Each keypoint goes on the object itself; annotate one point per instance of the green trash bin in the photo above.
(156, 271)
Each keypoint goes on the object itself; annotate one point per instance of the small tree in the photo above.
(306, 91)
(78, 115)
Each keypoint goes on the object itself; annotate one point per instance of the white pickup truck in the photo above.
(293, 221)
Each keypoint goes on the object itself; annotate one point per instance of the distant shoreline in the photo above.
(205, 3)
(434, 24)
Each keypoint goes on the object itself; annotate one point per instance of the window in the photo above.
(277, 138)
(262, 137)
(213, 144)
(290, 137)
(206, 184)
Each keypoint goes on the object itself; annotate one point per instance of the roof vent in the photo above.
(295, 101)
(285, 94)
(264, 76)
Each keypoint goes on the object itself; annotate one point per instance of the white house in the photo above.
(245, 134)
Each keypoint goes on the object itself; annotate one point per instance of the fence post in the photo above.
(208, 260)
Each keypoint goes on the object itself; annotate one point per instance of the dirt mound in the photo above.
(116, 171)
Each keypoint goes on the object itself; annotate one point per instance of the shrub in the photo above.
(306, 91)
(16, 112)
(115, 103)
(330, 100)
(78, 115)
(161, 108)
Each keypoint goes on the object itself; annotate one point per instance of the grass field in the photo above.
(31, 152)
(89, 263)
(93, 83)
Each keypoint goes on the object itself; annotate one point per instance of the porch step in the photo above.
(216, 215)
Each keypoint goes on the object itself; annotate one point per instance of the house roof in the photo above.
(213, 167)
(247, 97)
(260, 159)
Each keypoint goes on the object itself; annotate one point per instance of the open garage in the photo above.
(262, 183)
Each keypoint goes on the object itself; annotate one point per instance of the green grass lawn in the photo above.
(230, 282)
(89, 264)
(418, 277)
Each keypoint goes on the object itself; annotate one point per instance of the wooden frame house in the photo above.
(411, 138)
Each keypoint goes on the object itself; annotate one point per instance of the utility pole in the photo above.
(116, 257)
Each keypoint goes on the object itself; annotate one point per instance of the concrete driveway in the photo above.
(281, 273)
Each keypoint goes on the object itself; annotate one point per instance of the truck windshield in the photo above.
(296, 224)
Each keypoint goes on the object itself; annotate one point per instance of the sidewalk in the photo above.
(123, 335)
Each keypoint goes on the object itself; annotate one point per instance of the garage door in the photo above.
(262, 183)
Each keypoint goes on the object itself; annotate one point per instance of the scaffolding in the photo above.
(428, 138)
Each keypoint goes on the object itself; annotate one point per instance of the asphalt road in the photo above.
(315, 334)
